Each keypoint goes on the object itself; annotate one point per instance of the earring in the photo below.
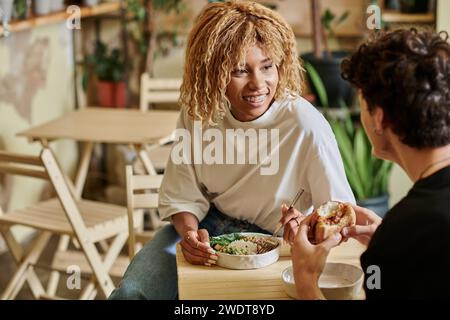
(378, 132)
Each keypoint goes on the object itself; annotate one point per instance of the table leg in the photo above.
(143, 156)
(83, 167)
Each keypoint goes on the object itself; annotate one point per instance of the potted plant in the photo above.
(109, 69)
(21, 9)
(368, 176)
(327, 62)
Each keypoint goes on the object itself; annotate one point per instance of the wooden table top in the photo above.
(216, 283)
(107, 125)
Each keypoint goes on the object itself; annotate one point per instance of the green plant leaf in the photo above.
(356, 184)
(347, 118)
(318, 84)
(367, 175)
(343, 17)
(349, 127)
(385, 172)
(327, 18)
(344, 142)
(224, 239)
(361, 159)
(107, 66)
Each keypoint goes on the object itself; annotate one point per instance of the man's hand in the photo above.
(309, 260)
(367, 223)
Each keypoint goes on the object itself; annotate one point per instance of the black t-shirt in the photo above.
(411, 247)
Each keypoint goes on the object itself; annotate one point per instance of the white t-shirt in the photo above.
(302, 153)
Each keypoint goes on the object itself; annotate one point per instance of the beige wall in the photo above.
(35, 86)
(399, 185)
(443, 15)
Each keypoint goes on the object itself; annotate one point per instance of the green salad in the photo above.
(224, 239)
(238, 244)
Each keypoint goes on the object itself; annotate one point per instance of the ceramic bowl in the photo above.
(253, 261)
(339, 281)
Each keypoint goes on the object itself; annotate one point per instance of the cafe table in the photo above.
(137, 129)
(215, 283)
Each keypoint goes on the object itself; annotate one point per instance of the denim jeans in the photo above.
(152, 274)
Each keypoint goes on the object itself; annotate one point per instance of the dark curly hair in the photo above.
(407, 74)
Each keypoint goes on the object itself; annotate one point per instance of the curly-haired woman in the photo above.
(241, 83)
(403, 79)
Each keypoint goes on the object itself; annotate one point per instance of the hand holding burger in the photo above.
(317, 235)
(331, 217)
(367, 223)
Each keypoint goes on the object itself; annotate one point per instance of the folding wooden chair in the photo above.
(88, 222)
(161, 91)
(142, 193)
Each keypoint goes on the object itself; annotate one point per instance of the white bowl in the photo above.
(251, 261)
(338, 281)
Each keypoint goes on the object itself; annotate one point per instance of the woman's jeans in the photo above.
(152, 274)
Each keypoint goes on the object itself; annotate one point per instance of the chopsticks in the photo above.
(297, 196)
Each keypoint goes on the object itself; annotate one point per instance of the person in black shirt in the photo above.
(403, 82)
(412, 244)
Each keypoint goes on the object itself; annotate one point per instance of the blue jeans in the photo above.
(152, 274)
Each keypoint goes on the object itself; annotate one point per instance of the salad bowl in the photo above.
(245, 250)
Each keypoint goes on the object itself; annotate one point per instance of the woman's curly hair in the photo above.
(407, 74)
(217, 45)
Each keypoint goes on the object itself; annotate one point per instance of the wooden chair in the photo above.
(162, 91)
(142, 194)
(158, 90)
(89, 222)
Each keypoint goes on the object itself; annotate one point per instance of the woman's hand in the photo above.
(194, 243)
(196, 249)
(290, 220)
(367, 223)
(309, 260)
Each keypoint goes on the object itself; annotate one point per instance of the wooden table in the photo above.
(105, 125)
(216, 283)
